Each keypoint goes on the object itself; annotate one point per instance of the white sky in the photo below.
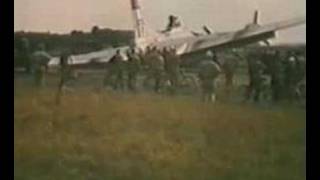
(220, 15)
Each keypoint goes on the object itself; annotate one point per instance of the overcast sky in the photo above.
(220, 15)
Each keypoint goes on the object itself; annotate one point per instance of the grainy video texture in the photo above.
(99, 94)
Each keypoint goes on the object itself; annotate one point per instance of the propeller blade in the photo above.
(207, 30)
(256, 17)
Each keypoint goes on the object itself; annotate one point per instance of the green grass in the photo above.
(103, 135)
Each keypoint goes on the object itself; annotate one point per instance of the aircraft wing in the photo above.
(242, 37)
(102, 56)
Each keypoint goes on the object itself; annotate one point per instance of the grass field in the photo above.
(109, 136)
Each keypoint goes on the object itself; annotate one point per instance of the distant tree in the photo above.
(95, 30)
(76, 32)
(84, 42)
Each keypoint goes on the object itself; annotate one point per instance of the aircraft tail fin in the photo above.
(138, 19)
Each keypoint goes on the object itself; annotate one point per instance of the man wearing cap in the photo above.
(209, 70)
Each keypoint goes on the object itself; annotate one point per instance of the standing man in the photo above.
(40, 59)
(172, 67)
(156, 67)
(25, 53)
(256, 70)
(276, 74)
(64, 75)
(133, 68)
(39, 74)
(208, 72)
(229, 67)
(290, 74)
(301, 67)
(115, 71)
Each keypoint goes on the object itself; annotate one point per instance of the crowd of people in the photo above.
(158, 67)
(286, 73)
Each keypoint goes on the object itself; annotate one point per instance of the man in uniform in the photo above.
(209, 70)
(39, 74)
(155, 63)
(172, 67)
(301, 67)
(40, 59)
(256, 71)
(64, 75)
(25, 53)
(133, 68)
(290, 74)
(115, 71)
(256, 79)
(229, 67)
(276, 73)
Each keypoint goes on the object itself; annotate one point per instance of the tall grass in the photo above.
(104, 135)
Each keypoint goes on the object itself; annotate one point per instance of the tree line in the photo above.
(76, 41)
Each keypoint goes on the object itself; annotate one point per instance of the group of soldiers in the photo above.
(157, 66)
(286, 74)
(163, 68)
